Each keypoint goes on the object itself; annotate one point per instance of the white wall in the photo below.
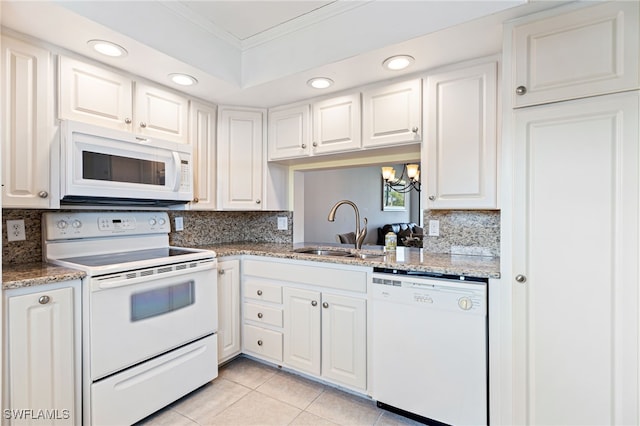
(363, 186)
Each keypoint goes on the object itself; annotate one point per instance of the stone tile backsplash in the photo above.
(474, 232)
(461, 232)
(200, 228)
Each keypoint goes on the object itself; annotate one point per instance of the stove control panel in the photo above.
(57, 226)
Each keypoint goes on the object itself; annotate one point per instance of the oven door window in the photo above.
(160, 301)
(115, 168)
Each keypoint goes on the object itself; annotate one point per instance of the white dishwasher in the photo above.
(430, 356)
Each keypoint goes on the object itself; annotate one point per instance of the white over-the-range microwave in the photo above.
(100, 166)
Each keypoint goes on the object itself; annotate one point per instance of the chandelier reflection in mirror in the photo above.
(402, 184)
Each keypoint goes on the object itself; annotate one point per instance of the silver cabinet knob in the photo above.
(43, 194)
(196, 200)
(221, 272)
(521, 278)
(127, 120)
(314, 303)
(258, 201)
(143, 124)
(521, 90)
(432, 197)
(43, 300)
(260, 315)
(325, 305)
(304, 145)
(259, 342)
(415, 129)
(315, 144)
(259, 292)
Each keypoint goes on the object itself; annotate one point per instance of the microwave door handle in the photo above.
(178, 165)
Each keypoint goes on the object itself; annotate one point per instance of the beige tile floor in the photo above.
(247, 392)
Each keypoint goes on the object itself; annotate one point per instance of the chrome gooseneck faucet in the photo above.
(360, 233)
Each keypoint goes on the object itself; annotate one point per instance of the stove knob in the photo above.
(152, 221)
(76, 224)
(465, 303)
(62, 224)
(161, 222)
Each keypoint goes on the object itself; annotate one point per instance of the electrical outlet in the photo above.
(434, 228)
(283, 223)
(179, 224)
(15, 230)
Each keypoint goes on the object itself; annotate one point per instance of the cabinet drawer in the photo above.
(263, 342)
(263, 314)
(258, 290)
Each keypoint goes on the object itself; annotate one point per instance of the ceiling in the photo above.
(261, 53)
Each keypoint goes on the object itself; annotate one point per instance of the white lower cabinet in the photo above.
(325, 335)
(307, 317)
(228, 309)
(42, 376)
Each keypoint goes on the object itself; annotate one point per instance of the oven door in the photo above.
(134, 319)
(100, 163)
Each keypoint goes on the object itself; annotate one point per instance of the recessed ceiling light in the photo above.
(183, 79)
(398, 62)
(320, 82)
(108, 48)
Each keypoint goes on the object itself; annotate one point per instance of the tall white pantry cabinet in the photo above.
(571, 218)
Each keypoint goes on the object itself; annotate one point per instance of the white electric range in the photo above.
(149, 311)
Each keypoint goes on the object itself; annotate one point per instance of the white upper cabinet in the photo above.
(29, 177)
(95, 95)
(460, 150)
(202, 137)
(336, 125)
(583, 52)
(392, 114)
(240, 158)
(160, 113)
(289, 132)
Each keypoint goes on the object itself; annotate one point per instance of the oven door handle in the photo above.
(178, 166)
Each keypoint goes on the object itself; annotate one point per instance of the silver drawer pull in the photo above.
(260, 315)
(314, 303)
(43, 300)
(259, 292)
(221, 272)
(259, 342)
(325, 305)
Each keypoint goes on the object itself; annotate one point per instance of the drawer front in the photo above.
(263, 314)
(263, 342)
(258, 290)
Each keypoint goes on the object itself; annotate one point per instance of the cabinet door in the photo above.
(41, 354)
(392, 114)
(228, 309)
(288, 135)
(94, 95)
(161, 114)
(302, 330)
(203, 138)
(344, 340)
(461, 145)
(575, 307)
(28, 129)
(590, 51)
(336, 125)
(240, 156)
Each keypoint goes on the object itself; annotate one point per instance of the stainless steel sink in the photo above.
(321, 252)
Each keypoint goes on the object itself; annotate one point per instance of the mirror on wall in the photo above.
(316, 191)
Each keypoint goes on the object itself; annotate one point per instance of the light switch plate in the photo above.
(179, 224)
(15, 230)
(434, 228)
(283, 223)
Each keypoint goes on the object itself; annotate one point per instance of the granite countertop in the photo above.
(37, 273)
(406, 258)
